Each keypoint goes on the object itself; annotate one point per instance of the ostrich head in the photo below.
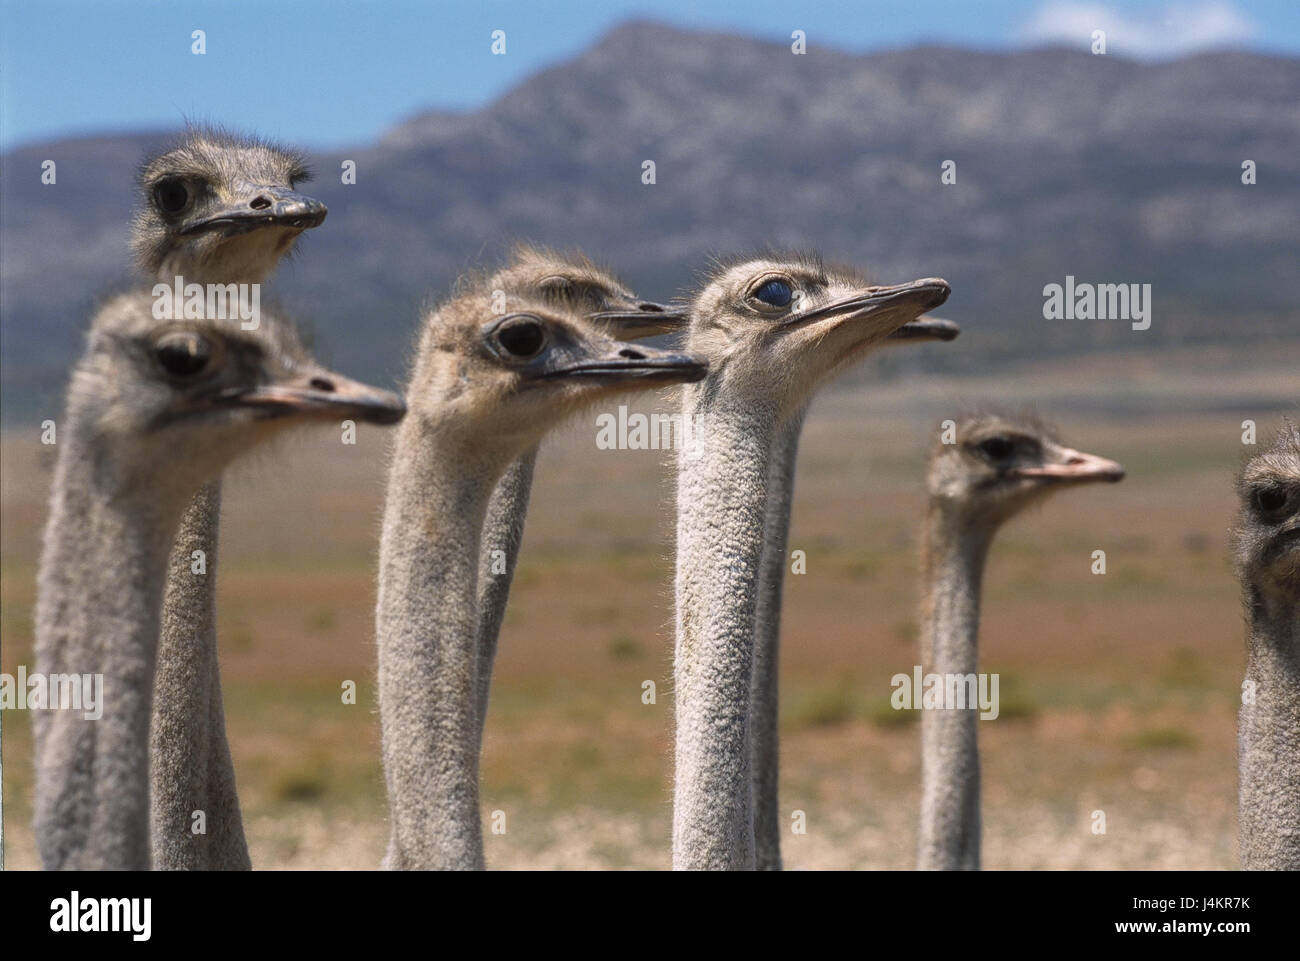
(182, 398)
(999, 464)
(776, 329)
(574, 284)
(509, 376)
(1268, 530)
(218, 208)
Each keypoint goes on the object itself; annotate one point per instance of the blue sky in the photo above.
(327, 73)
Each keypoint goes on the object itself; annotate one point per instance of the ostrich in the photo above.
(572, 283)
(219, 208)
(772, 331)
(767, 636)
(213, 208)
(154, 409)
(1268, 563)
(996, 466)
(484, 389)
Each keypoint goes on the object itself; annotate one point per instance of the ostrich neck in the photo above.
(250, 261)
(767, 644)
(427, 627)
(100, 587)
(1269, 735)
(503, 530)
(954, 557)
(193, 770)
(721, 502)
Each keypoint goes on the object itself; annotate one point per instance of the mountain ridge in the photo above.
(1108, 169)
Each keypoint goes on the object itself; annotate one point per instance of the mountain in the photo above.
(1109, 170)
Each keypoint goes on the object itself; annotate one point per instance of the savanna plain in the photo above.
(1118, 691)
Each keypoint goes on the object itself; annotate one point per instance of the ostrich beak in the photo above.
(1075, 467)
(622, 363)
(892, 307)
(643, 319)
(927, 328)
(321, 394)
(261, 206)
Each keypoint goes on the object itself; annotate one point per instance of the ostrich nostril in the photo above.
(651, 308)
(260, 202)
(320, 383)
(631, 354)
(1075, 460)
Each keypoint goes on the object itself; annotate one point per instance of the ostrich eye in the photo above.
(171, 195)
(522, 339)
(997, 448)
(777, 293)
(1269, 500)
(183, 354)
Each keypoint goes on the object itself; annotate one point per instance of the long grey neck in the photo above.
(1269, 735)
(503, 530)
(767, 645)
(721, 503)
(950, 776)
(193, 799)
(427, 626)
(100, 586)
(193, 776)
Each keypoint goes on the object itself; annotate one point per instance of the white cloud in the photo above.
(1181, 28)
